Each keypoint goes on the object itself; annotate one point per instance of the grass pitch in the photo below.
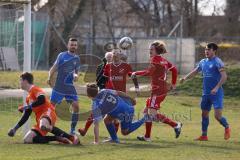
(163, 146)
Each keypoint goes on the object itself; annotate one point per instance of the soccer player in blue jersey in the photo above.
(113, 105)
(214, 75)
(67, 66)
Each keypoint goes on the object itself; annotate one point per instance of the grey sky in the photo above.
(208, 7)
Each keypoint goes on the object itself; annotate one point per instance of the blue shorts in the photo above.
(209, 100)
(57, 97)
(124, 113)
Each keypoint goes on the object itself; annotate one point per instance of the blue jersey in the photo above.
(67, 65)
(108, 102)
(211, 74)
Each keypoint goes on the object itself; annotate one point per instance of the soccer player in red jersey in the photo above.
(116, 73)
(157, 71)
(45, 116)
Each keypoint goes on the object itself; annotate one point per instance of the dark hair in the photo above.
(92, 90)
(73, 39)
(160, 47)
(212, 45)
(27, 76)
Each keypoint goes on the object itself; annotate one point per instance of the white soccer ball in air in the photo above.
(125, 43)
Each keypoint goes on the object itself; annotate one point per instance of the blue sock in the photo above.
(223, 122)
(111, 130)
(135, 125)
(205, 123)
(74, 122)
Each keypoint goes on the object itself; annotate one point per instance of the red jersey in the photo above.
(157, 70)
(117, 75)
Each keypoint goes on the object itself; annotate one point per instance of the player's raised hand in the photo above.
(11, 132)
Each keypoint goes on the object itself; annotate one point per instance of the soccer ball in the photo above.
(125, 43)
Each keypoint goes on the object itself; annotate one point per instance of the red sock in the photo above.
(166, 120)
(116, 124)
(148, 126)
(88, 123)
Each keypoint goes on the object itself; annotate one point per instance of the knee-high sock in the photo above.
(164, 119)
(205, 123)
(223, 122)
(43, 139)
(74, 122)
(148, 127)
(112, 132)
(88, 123)
(58, 132)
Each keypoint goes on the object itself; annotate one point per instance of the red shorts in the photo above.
(154, 102)
(49, 114)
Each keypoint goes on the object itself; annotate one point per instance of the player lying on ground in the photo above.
(157, 70)
(115, 105)
(214, 75)
(116, 74)
(45, 116)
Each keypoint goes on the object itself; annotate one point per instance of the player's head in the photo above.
(109, 57)
(116, 55)
(211, 49)
(157, 48)
(123, 57)
(72, 45)
(92, 90)
(26, 80)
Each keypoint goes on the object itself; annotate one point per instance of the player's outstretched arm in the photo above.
(190, 75)
(23, 119)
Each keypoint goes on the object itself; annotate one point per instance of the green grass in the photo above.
(10, 80)
(164, 145)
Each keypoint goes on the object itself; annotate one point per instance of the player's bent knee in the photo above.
(28, 138)
(45, 125)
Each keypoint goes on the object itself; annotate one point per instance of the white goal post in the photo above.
(26, 44)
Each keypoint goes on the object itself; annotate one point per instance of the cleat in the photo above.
(178, 129)
(75, 140)
(202, 138)
(82, 132)
(63, 140)
(143, 138)
(227, 133)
